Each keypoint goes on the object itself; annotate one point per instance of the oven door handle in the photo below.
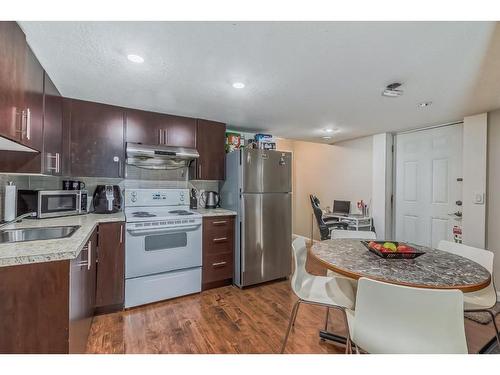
(183, 228)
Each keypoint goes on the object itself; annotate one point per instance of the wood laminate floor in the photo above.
(229, 320)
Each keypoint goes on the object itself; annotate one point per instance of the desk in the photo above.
(356, 222)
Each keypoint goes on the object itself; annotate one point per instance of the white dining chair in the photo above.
(482, 300)
(361, 234)
(399, 319)
(348, 234)
(335, 292)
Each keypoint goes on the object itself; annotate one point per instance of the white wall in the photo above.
(474, 183)
(381, 209)
(341, 171)
(493, 214)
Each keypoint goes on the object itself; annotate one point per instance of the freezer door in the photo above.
(266, 237)
(266, 171)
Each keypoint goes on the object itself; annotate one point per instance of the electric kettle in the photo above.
(212, 199)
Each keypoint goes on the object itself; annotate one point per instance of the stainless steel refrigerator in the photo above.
(258, 186)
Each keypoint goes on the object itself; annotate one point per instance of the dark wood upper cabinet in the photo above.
(210, 141)
(110, 292)
(96, 139)
(31, 129)
(160, 129)
(52, 128)
(13, 47)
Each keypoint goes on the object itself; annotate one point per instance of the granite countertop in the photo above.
(206, 212)
(434, 269)
(57, 249)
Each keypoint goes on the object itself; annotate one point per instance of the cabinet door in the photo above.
(82, 295)
(111, 266)
(143, 127)
(96, 140)
(12, 45)
(31, 130)
(210, 141)
(160, 129)
(179, 131)
(52, 128)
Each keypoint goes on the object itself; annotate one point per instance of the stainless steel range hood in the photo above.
(160, 157)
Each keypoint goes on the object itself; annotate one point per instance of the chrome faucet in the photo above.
(19, 218)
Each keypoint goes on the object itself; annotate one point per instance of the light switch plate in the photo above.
(478, 197)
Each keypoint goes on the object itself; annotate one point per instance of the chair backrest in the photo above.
(318, 214)
(299, 258)
(398, 319)
(362, 234)
(481, 256)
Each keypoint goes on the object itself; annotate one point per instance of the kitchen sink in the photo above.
(35, 234)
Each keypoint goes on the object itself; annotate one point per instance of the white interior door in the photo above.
(428, 163)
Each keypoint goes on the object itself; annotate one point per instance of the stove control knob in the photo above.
(133, 199)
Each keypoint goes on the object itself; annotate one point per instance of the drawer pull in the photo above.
(220, 222)
(222, 239)
(218, 264)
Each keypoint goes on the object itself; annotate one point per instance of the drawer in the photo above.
(217, 267)
(218, 244)
(218, 223)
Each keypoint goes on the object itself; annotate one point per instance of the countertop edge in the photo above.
(60, 255)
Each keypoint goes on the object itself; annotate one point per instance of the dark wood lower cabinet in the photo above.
(48, 307)
(218, 251)
(34, 300)
(110, 292)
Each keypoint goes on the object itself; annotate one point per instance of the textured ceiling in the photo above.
(300, 77)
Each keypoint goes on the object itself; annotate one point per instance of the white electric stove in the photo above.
(163, 246)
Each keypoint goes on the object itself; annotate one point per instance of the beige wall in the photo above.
(493, 199)
(341, 171)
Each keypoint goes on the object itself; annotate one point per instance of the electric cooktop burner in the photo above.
(180, 212)
(143, 214)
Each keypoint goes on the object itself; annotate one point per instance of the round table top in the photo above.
(435, 269)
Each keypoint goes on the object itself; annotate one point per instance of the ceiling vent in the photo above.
(392, 91)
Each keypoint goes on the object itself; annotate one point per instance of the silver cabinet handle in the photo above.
(121, 233)
(165, 136)
(23, 121)
(199, 170)
(159, 137)
(221, 239)
(89, 261)
(55, 157)
(28, 124)
(58, 162)
(218, 264)
(220, 222)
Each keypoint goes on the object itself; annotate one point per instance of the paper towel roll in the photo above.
(10, 202)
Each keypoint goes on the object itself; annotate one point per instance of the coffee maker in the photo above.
(107, 199)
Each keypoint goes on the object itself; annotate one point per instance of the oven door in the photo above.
(58, 203)
(156, 250)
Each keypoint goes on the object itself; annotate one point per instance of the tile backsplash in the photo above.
(136, 178)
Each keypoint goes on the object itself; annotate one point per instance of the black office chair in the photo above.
(324, 227)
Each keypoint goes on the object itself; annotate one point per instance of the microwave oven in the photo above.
(52, 203)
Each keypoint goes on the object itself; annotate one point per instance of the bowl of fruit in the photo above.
(392, 249)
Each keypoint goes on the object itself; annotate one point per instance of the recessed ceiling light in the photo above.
(329, 130)
(135, 58)
(424, 104)
(326, 137)
(238, 85)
